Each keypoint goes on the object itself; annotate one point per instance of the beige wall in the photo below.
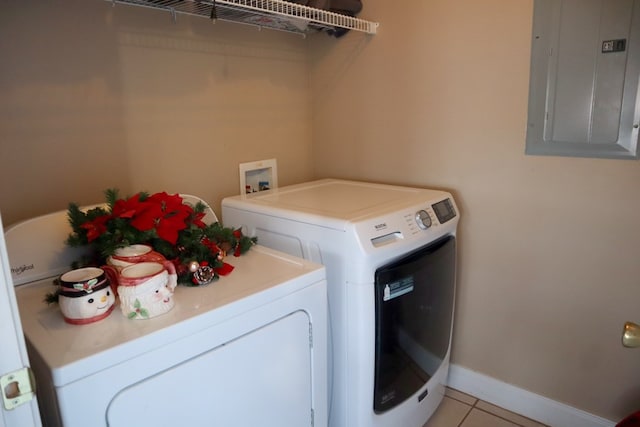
(94, 96)
(549, 263)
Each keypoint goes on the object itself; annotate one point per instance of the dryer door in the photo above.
(414, 315)
(262, 377)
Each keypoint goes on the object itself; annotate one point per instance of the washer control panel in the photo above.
(434, 217)
(423, 219)
(443, 210)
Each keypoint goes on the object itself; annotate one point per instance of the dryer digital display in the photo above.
(444, 210)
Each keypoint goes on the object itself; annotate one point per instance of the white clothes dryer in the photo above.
(390, 255)
(247, 350)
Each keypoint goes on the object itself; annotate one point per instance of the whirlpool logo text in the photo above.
(19, 270)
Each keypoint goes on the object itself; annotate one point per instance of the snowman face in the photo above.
(88, 308)
(151, 298)
(157, 299)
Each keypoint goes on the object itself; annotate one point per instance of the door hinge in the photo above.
(17, 387)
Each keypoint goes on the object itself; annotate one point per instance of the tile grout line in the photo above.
(475, 405)
(465, 416)
(498, 416)
(462, 401)
(469, 411)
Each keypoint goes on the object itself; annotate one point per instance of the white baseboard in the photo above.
(523, 402)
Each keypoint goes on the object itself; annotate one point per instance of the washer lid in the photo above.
(334, 202)
(343, 199)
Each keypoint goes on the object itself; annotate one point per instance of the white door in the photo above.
(13, 355)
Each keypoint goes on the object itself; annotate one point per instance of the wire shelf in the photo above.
(273, 14)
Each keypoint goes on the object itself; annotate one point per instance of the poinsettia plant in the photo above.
(163, 221)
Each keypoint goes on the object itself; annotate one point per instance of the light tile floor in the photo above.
(462, 410)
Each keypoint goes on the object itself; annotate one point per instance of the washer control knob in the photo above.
(423, 219)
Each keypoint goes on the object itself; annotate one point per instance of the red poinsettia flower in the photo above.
(197, 220)
(166, 213)
(212, 246)
(225, 269)
(128, 208)
(145, 219)
(96, 227)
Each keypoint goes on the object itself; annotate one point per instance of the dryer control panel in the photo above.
(411, 224)
(443, 210)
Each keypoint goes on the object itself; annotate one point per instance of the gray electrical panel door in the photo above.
(583, 91)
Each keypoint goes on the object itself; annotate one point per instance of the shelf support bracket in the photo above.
(214, 12)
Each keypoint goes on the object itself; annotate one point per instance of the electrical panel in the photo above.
(583, 92)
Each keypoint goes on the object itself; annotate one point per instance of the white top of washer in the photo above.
(334, 202)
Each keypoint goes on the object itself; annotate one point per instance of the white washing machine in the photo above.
(247, 350)
(390, 254)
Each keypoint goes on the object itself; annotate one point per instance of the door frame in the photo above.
(14, 351)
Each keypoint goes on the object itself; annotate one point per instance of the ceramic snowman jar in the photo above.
(85, 296)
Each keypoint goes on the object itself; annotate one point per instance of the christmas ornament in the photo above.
(194, 266)
(204, 275)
